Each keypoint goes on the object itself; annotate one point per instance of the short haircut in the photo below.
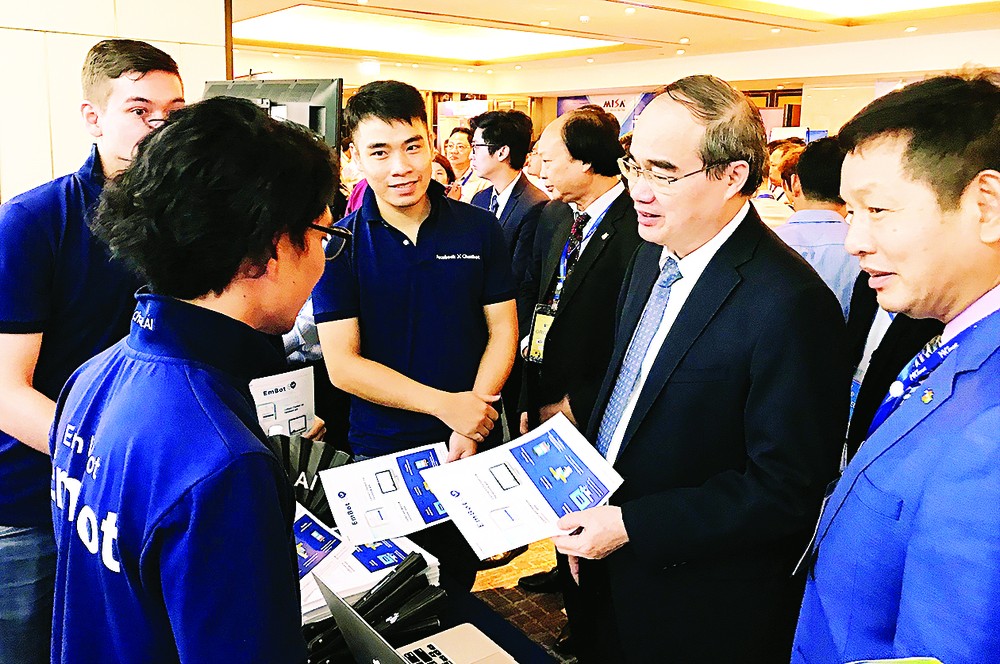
(598, 109)
(462, 130)
(109, 59)
(209, 194)
(591, 136)
(819, 166)
(951, 125)
(446, 165)
(388, 101)
(510, 128)
(789, 163)
(734, 130)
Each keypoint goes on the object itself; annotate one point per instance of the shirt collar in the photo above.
(92, 172)
(815, 216)
(166, 326)
(369, 211)
(600, 205)
(975, 312)
(692, 265)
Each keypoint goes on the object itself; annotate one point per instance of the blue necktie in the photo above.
(628, 376)
(494, 203)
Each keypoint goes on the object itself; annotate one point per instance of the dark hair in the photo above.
(734, 130)
(789, 163)
(819, 170)
(597, 109)
(591, 136)
(951, 125)
(388, 101)
(510, 128)
(462, 130)
(109, 59)
(208, 195)
(446, 165)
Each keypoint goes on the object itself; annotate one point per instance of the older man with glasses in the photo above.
(723, 406)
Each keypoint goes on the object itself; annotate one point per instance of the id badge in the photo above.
(540, 324)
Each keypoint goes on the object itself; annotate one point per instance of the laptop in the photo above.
(463, 644)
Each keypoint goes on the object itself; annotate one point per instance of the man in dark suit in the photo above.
(879, 344)
(594, 234)
(724, 406)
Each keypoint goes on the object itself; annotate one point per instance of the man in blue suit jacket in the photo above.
(907, 559)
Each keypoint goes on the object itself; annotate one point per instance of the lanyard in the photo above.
(564, 257)
(468, 176)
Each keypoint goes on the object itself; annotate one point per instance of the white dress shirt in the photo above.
(691, 268)
(504, 196)
(597, 209)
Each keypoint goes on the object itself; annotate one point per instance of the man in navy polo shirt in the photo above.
(61, 302)
(172, 517)
(417, 321)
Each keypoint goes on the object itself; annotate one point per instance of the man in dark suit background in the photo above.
(501, 141)
(724, 406)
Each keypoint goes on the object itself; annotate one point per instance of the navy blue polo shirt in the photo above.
(55, 278)
(419, 307)
(172, 517)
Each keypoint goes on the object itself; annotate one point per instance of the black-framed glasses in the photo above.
(481, 145)
(337, 238)
(658, 181)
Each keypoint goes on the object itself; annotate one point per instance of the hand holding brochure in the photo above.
(514, 494)
(286, 403)
(385, 496)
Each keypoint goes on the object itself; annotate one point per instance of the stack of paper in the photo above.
(348, 571)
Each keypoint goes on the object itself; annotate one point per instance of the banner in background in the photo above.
(623, 107)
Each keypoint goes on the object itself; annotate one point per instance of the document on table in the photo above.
(385, 496)
(514, 494)
(286, 402)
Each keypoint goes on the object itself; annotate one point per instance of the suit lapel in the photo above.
(559, 237)
(713, 288)
(596, 244)
(515, 194)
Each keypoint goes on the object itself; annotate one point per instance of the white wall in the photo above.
(43, 44)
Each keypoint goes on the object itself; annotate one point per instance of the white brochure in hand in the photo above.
(514, 494)
(385, 496)
(286, 402)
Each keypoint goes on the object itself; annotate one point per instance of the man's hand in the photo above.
(524, 423)
(468, 413)
(460, 447)
(601, 531)
(317, 431)
(545, 412)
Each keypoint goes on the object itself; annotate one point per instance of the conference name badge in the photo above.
(540, 324)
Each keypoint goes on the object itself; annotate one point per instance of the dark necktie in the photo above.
(494, 203)
(580, 220)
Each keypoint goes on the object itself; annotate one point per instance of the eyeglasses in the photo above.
(337, 238)
(658, 181)
(481, 145)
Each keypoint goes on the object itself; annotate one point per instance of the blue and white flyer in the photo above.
(514, 494)
(385, 496)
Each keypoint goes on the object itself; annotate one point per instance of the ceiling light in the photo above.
(912, 28)
(590, 61)
(236, 52)
(414, 65)
(399, 64)
(681, 51)
(362, 2)
(517, 67)
(775, 31)
(489, 71)
(297, 57)
(684, 40)
(629, 11)
(779, 87)
(470, 70)
(454, 68)
(584, 19)
(544, 24)
(276, 55)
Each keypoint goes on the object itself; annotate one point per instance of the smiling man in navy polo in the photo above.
(62, 301)
(417, 320)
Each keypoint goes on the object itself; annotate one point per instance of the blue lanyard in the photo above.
(564, 257)
(468, 176)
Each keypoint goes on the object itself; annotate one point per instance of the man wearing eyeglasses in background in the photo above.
(724, 405)
(62, 301)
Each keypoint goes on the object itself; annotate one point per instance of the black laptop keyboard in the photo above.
(428, 654)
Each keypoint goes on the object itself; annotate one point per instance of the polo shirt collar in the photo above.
(92, 172)
(815, 217)
(369, 211)
(168, 327)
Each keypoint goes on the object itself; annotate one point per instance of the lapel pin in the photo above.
(605, 236)
(927, 396)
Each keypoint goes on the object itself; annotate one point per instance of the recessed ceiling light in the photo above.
(489, 71)
(912, 28)
(684, 40)
(236, 52)
(414, 65)
(681, 51)
(362, 2)
(399, 64)
(629, 11)
(470, 70)
(779, 87)
(544, 24)
(454, 68)
(276, 55)
(297, 57)
(517, 67)
(775, 31)
(590, 60)
(584, 19)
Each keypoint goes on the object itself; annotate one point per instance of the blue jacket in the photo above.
(909, 544)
